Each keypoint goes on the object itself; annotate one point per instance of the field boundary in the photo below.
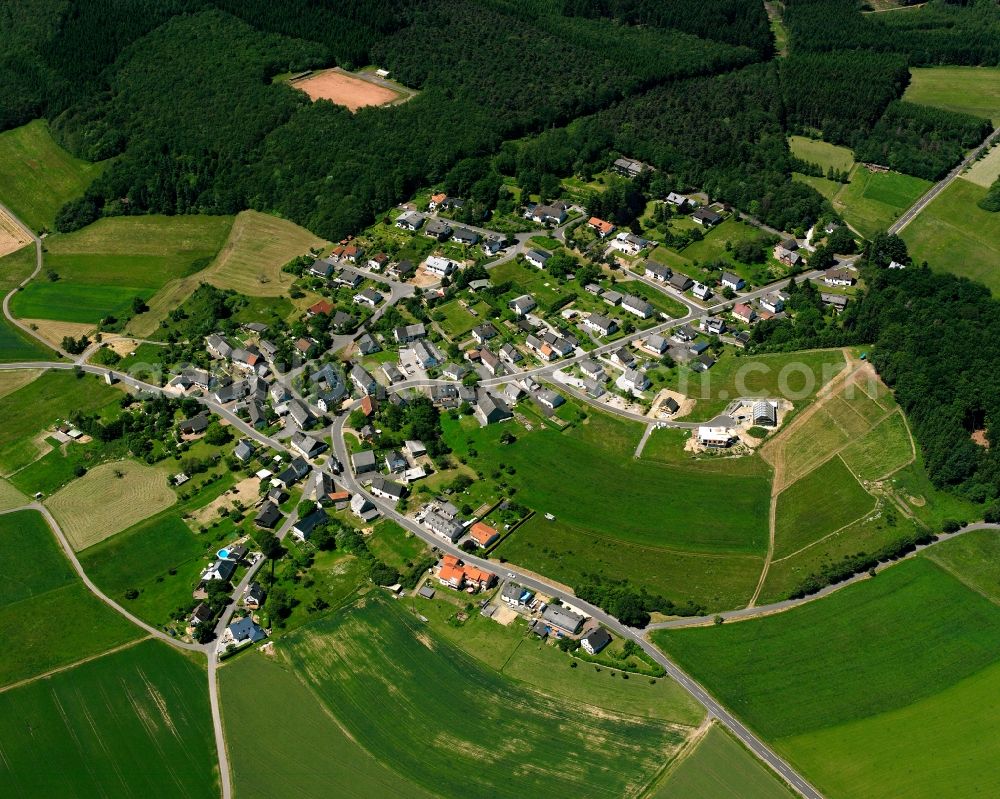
(68, 666)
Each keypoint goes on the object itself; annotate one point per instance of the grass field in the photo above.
(102, 503)
(955, 235)
(870, 648)
(823, 153)
(27, 412)
(391, 544)
(968, 90)
(311, 751)
(825, 500)
(132, 723)
(720, 768)
(974, 558)
(795, 376)
(457, 321)
(713, 246)
(102, 267)
(828, 188)
(986, 170)
(16, 379)
(464, 729)
(872, 201)
(14, 344)
(37, 176)
(882, 451)
(10, 497)
(47, 617)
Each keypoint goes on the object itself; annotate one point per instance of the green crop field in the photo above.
(47, 617)
(720, 768)
(14, 344)
(973, 557)
(967, 90)
(884, 449)
(10, 497)
(953, 234)
(310, 752)
(102, 267)
(463, 728)
(873, 647)
(796, 376)
(37, 176)
(825, 500)
(27, 412)
(816, 151)
(132, 723)
(873, 201)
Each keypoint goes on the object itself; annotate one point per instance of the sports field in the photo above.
(872, 201)
(37, 176)
(108, 499)
(720, 768)
(344, 89)
(47, 617)
(102, 267)
(953, 234)
(132, 723)
(464, 729)
(968, 90)
(26, 413)
(826, 155)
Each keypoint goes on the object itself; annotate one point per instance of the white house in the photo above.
(601, 324)
(715, 436)
(638, 306)
(633, 380)
(731, 281)
(701, 291)
(440, 266)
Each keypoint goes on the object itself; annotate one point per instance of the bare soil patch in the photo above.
(343, 89)
(979, 439)
(246, 492)
(12, 236)
(54, 332)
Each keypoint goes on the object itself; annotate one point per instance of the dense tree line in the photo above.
(920, 140)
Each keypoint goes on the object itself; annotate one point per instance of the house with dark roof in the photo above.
(594, 641)
(364, 461)
(268, 516)
(562, 619)
(491, 410)
(243, 632)
(387, 489)
(303, 528)
(706, 217)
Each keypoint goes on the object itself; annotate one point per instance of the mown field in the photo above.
(873, 201)
(27, 412)
(10, 497)
(108, 499)
(463, 728)
(37, 176)
(967, 90)
(720, 768)
(825, 500)
(955, 235)
(883, 449)
(47, 617)
(16, 345)
(796, 376)
(132, 723)
(102, 267)
(817, 151)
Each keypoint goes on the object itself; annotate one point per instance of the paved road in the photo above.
(910, 214)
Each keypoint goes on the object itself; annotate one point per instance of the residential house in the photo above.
(243, 632)
(342, 322)
(244, 450)
(837, 301)
(254, 596)
(218, 347)
(492, 245)
(408, 333)
(321, 268)
(704, 362)
(713, 325)
(437, 229)
(623, 357)
(593, 388)
(364, 461)
(350, 278)
(362, 380)
(483, 333)
(638, 306)
(684, 334)
(698, 347)
(594, 641)
(701, 291)
(454, 371)
(786, 256)
(657, 272)
(364, 508)
(538, 258)
(491, 410)
(549, 398)
(387, 489)
(562, 619)
(221, 569)
(295, 471)
(404, 270)
(300, 414)
(516, 596)
(378, 262)
(612, 297)
(718, 437)
(348, 252)
(368, 297)
(603, 325)
(629, 167)
(670, 405)
(553, 213)
(744, 313)
(465, 236)
(440, 266)
(773, 302)
(656, 344)
(483, 534)
(510, 354)
(522, 305)
(436, 200)
(678, 200)
(395, 461)
(194, 425)
(839, 277)
(633, 380)
(410, 220)
(367, 345)
(680, 282)
(706, 217)
(307, 446)
(593, 370)
(303, 528)
(392, 374)
(732, 281)
(323, 307)
(202, 614)
(439, 524)
(601, 227)
(491, 362)
(268, 516)
(630, 243)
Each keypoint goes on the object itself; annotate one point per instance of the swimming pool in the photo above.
(223, 554)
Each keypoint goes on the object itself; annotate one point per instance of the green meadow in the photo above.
(872, 201)
(967, 90)
(37, 176)
(15, 345)
(817, 151)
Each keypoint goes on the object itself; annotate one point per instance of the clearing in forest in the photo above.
(342, 88)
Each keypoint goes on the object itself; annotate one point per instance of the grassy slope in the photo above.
(876, 646)
(311, 751)
(968, 90)
(103, 266)
(820, 152)
(15, 345)
(954, 235)
(883, 450)
(134, 723)
(972, 558)
(872, 201)
(824, 500)
(37, 176)
(720, 768)
(464, 729)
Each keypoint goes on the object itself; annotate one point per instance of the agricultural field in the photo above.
(872, 201)
(796, 376)
(967, 90)
(13, 236)
(872, 678)
(826, 155)
(40, 594)
(311, 750)
(108, 499)
(16, 345)
(720, 768)
(828, 188)
(886, 448)
(11, 381)
(258, 246)
(37, 176)
(132, 723)
(10, 497)
(100, 269)
(359, 661)
(953, 234)
(26, 413)
(827, 499)
(972, 558)
(986, 170)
